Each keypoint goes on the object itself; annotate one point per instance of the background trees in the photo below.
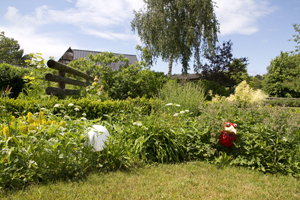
(223, 68)
(283, 77)
(10, 51)
(175, 30)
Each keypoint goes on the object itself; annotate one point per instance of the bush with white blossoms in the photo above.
(245, 94)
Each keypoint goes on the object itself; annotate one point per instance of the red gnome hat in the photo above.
(228, 134)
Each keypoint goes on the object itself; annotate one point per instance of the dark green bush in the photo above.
(215, 88)
(12, 76)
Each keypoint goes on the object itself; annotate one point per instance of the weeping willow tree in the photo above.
(177, 29)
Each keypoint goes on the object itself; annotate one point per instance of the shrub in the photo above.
(128, 81)
(245, 95)
(216, 89)
(12, 76)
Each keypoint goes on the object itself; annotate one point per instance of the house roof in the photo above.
(79, 53)
(187, 77)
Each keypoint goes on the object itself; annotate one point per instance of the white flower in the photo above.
(169, 104)
(56, 105)
(71, 104)
(182, 112)
(137, 123)
(83, 118)
(284, 139)
(177, 105)
(76, 109)
(187, 111)
(83, 114)
(176, 114)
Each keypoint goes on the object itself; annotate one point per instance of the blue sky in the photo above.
(259, 29)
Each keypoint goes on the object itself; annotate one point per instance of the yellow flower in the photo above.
(49, 123)
(63, 124)
(44, 121)
(94, 83)
(41, 114)
(13, 119)
(24, 129)
(31, 127)
(6, 131)
(36, 123)
(29, 114)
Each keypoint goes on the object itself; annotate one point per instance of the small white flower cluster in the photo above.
(181, 112)
(137, 123)
(172, 104)
(56, 106)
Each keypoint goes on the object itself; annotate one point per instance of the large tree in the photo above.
(10, 51)
(283, 77)
(223, 68)
(175, 30)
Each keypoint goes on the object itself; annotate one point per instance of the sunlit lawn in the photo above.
(195, 180)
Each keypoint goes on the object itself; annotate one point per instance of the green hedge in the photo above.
(92, 109)
(286, 102)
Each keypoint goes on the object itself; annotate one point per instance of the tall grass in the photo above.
(188, 95)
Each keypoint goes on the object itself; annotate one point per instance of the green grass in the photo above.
(194, 180)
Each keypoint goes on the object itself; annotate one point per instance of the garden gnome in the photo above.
(228, 134)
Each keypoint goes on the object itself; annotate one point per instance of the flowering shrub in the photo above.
(245, 94)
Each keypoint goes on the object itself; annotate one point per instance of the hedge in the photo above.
(92, 109)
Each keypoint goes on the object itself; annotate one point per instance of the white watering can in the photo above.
(97, 135)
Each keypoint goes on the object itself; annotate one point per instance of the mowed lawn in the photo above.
(194, 180)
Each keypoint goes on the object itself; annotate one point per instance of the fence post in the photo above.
(87, 80)
(60, 84)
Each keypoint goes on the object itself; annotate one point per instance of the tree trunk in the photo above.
(170, 64)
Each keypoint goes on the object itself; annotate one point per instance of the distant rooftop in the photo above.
(74, 54)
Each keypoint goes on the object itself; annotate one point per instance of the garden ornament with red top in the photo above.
(228, 134)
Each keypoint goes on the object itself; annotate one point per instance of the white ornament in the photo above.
(97, 135)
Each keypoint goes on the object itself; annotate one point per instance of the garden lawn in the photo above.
(193, 180)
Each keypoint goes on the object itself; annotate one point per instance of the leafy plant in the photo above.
(12, 76)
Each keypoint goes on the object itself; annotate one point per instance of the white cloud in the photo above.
(31, 42)
(100, 18)
(111, 20)
(241, 16)
(94, 15)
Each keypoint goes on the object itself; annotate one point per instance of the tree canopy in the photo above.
(176, 30)
(10, 51)
(296, 37)
(223, 68)
(283, 77)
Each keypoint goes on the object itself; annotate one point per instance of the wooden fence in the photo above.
(62, 80)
